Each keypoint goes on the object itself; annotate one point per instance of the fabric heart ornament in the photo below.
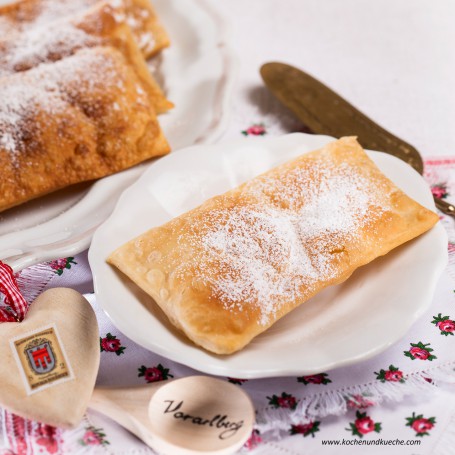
(50, 359)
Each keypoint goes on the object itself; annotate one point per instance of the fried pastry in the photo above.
(139, 15)
(99, 26)
(227, 270)
(148, 30)
(81, 118)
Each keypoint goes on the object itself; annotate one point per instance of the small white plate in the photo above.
(341, 325)
(197, 72)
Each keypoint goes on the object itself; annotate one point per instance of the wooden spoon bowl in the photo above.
(196, 414)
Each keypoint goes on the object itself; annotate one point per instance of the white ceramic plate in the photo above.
(342, 325)
(197, 72)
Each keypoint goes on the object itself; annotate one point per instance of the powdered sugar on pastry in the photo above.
(18, 103)
(78, 119)
(35, 13)
(46, 90)
(40, 44)
(138, 14)
(268, 254)
(227, 270)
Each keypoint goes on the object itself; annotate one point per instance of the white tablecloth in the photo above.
(394, 60)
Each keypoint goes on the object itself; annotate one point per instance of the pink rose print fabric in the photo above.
(321, 378)
(439, 190)
(154, 374)
(444, 324)
(363, 425)
(110, 343)
(285, 400)
(305, 429)
(393, 374)
(93, 437)
(60, 265)
(420, 351)
(257, 129)
(421, 425)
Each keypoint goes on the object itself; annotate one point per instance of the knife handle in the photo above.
(445, 207)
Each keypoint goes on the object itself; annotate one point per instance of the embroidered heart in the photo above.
(50, 360)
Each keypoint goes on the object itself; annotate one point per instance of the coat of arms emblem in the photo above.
(40, 356)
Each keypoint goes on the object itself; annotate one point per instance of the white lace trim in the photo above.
(273, 421)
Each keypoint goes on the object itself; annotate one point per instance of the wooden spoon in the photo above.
(196, 414)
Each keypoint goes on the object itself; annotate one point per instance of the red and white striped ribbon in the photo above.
(17, 306)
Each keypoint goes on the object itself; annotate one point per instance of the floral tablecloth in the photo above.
(403, 398)
(405, 394)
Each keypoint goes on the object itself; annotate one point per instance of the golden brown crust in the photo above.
(101, 25)
(227, 270)
(81, 118)
(148, 30)
(101, 22)
(140, 15)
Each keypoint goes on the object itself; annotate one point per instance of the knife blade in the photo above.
(325, 112)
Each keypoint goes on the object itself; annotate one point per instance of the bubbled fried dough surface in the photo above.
(229, 269)
(81, 118)
(139, 15)
(226, 271)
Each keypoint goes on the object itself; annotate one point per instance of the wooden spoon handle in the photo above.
(128, 407)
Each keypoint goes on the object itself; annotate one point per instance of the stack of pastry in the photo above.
(77, 101)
